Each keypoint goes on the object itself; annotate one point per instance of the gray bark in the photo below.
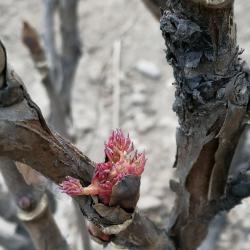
(211, 103)
(23, 129)
(212, 98)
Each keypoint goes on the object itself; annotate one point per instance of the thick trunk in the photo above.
(211, 102)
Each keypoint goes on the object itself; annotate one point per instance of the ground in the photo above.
(145, 98)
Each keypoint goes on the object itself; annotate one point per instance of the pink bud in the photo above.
(118, 145)
(71, 186)
(123, 160)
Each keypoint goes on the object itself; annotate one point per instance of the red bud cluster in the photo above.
(123, 160)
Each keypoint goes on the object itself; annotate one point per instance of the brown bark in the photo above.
(25, 137)
(58, 116)
(211, 103)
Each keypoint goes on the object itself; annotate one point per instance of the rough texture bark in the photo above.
(31, 40)
(55, 158)
(18, 188)
(211, 103)
(23, 130)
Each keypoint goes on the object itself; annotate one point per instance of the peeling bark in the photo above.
(211, 103)
(212, 99)
(28, 200)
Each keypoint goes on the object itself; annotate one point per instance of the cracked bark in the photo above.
(212, 95)
(58, 70)
(211, 103)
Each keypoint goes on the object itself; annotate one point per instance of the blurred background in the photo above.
(143, 90)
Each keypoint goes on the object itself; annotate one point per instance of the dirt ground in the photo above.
(145, 97)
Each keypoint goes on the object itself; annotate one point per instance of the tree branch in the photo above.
(25, 137)
(71, 48)
(58, 117)
(34, 209)
(59, 113)
(50, 150)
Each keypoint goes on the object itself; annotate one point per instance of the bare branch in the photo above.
(28, 131)
(34, 210)
(25, 137)
(216, 227)
(71, 48)
(214, 3)
(58, 117)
